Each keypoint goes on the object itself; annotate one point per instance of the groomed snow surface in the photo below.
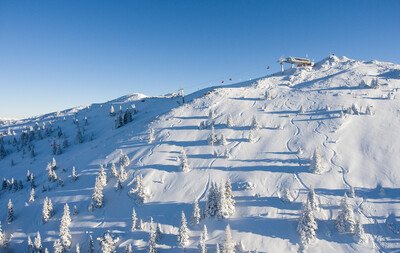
(306, 109)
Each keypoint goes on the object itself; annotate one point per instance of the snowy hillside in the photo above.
(342, 111)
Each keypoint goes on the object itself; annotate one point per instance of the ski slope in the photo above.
(303, 113)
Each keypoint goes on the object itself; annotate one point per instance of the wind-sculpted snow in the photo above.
(331, 108)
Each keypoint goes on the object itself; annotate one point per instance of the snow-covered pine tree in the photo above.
(128, 248)
(102, 175)
(217, 248)
(97, 196)
(345, 222)
(202, 244)
(122, 175)
(141, 224)
(205, 232)
(184, 164)
(77, 248)
(10, 212)
(139, 192)
(32, 195)
(316, 163)
(46, 250)
(227, 153)
(65, 235)
(3, 239)
(211, 205)
(47, 210)
(91, 245)
(108, 244)
(239, 247)
(229, 121)
(222, 140)
(267, 95)
(58, 247)
(183, 233)
(359, 234)
(37, 243)
(30, 243)
(151, 137)
(230, 202)
(196, 216)
(212, 138)
(118, 185)
(124, 160)
(222, 204)
(134, 220)
(152, 244)
(158, 232)
(114, 172)
(311, 198)
(112, 111)
(307, 226)
(74, 176)
(229, 244)
(254, 124)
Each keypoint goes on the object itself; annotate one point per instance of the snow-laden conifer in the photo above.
(196, 216)
(90, 244)
(184, 164)
(312, 199)
(359, 234)
(316, 163)
(37, 243)
(139, 191)
(3, 240)
(158, 232)
(229, 244)
(212, 138)
(10, 211)
(152, 244)
(229, 121)
(77, 248)
(254, 124)
(114, 172)
(97, 195)
(307, 226)
(202, 243)
(122, 175)
(230, 202)
(112, 110)
(32, 195)
(65, 235)
(345, 221)
(183, 233)
(47, 210)
(128, 248)
(108, 244)
(102, 176)
(74, 176)
(58, 247)
(134, 220)
(222, 140)
(211, 205)
(124, 160)
(205, 232)
(151, 137)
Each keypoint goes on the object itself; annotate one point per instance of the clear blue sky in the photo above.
(59, 54)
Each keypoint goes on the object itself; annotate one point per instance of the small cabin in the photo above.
(299, 62)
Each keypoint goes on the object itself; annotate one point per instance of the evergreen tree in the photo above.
(139, 192)
(311, 198)
(230, 202)
(97, 196)
(217, 248)
(112, 111)
(122, 175)
(65, 235)
(74, 176)
(58, 247)
(108, 244)
(223, 140)
(227, 154)
(205, 232)
(307, 226)
(359, 234)
(267, 95)
(128, 248)
(102, 176)
(345, 222)
(3, 239)
(152, 245)
(211, 206)
(212, 138)
(124, 160)
(10, 211)
(134, 220)
(91, 245)
(77, 248)
(30, 243)
(37, 243)
(158, 232)
(202, 244)
(151, 136)
(184, 161)
(183, 233)
(229, 244)
(229, 121)
(32, 195)
(316, 163)
(47, 210)
(196, 213)
(254, 124)
(114, 172)
(222, 206)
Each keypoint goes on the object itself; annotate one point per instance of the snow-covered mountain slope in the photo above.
(270, 174)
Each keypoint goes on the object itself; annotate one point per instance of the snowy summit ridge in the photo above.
(304, 160)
